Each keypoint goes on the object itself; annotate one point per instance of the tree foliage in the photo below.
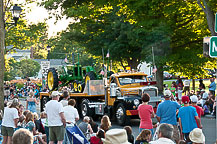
(129, 29)
(23, 68)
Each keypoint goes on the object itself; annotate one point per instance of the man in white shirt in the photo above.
(56, 119)
(9, 121)
(165, 134)
(186, 85)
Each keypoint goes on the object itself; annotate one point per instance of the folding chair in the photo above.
(76, 136)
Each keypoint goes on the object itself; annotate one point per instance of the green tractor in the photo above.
(75, 74)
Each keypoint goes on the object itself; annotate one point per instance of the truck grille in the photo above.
(152, 93)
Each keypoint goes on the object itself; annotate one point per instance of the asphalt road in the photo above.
(209, 126)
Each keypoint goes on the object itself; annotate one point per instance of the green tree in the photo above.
(172, 28)
(28, 68)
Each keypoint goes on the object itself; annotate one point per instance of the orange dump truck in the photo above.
(118, 97)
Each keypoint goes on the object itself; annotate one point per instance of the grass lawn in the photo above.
(205, 81)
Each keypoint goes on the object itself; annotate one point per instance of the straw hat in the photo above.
(116, 136)
(197, 136)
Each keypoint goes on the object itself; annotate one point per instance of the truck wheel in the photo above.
(90, 76)
(85, 109)
(120, 114)
(52, 79)
(44, 100)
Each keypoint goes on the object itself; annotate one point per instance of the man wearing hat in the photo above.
(197, 137)
(166, 113)
(187, 118)
(116, 136)
(204, 96)
(200, 112)
(56, 118)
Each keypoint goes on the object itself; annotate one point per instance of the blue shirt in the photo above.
(167, 112)
(187, 115)
(212, 86)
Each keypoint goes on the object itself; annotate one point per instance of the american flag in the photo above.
(107, 55)
(66, 59)
(154, 69)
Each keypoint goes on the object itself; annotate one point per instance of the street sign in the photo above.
(45, 65)
(213, 46)
(216, 22)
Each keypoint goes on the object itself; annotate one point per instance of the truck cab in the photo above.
(125, 92)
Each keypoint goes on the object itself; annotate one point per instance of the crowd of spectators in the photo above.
(178, 116)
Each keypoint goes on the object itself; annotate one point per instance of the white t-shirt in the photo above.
(9, 115)
(64, 102)
(180, 94)
(70, 114)
(53, 109)
(162, 141)
(205, 95)
(187, 83)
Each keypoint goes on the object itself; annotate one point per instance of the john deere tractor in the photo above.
(75, 74)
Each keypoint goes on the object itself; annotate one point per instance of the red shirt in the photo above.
(145, 112)
(199, 112)
(95, 140)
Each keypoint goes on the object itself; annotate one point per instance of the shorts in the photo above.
(176, 135)
(56, 133)
(7, 131)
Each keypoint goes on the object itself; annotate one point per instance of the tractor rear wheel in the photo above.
(52, 79)
(90, 76)
(80, 87)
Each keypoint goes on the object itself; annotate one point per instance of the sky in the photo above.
(38, 14)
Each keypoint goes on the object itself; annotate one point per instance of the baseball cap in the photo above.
(55, 93)
(185, 99)
(167, 93)
(194, 99)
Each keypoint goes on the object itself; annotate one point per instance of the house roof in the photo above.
(53, 62)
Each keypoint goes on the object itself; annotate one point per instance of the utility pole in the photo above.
(2, 43)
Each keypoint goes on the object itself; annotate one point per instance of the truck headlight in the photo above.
(136, 102)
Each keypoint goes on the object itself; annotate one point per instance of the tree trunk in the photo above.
(159, 76)
(2, 40)
(209, 16)
(193, 84)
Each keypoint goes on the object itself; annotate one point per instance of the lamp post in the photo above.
(16, 13)
(48, 50)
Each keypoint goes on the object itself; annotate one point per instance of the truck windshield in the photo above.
(131, 79)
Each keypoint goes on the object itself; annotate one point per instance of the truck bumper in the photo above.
(135, 112)
(131, 112)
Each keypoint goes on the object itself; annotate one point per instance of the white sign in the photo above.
(45, 65)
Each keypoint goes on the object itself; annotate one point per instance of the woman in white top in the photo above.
(71, 115)
(9, 121)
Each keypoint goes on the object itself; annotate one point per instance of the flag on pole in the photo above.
(107, 54)
(66, 61)
(154, 69)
